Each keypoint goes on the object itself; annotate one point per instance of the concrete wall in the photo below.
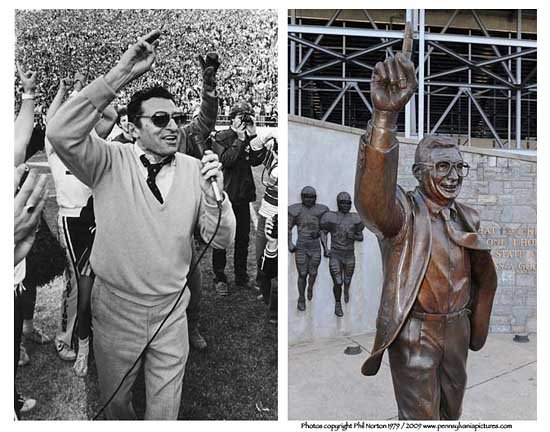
(501, 186)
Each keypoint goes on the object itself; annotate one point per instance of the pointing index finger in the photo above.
(152, 36)
(408, 40)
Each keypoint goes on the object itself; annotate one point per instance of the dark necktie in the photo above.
(469, 240)
(152, 171)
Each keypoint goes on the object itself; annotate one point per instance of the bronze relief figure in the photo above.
(345, 228)
(306, 216)
(439, 277)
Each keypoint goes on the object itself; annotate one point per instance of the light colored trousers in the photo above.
(121, 330)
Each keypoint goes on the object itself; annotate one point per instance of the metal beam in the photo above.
(362, 96)
(457, 84)
(347, 58)
(333, 105)
(518, 92)
(471, 64)
(443, 30)
(484, 116)
(484, 63)
(292, 96)
(495, 49)
(327, 51)
(318, 40)
(529, 76)
(421, 82)
(389, 51)
(398, 34)
(447, 110)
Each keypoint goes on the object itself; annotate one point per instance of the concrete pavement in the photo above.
(326, 384)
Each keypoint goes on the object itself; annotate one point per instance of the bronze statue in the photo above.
(345, 229)
(439, 277)
(306, 216)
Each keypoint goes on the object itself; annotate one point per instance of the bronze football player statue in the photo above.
(439, 277)
(306, 216)
(345, 229)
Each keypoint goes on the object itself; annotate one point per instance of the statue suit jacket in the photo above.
(405, 245)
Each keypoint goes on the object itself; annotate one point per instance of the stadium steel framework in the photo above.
(477, 80)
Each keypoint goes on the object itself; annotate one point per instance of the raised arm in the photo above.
(86, 156)
(24, 122)
(205, 121)
(64, 85)
(107, 121)
(393, 84)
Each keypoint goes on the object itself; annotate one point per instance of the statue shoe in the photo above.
(301, 304)
(196, 340)
(338, 310)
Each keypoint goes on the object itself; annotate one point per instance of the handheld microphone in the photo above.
(216, 191)
(212, 180)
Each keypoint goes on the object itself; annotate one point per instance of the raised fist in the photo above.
(28, 79)
(394, 80)
(209, 67)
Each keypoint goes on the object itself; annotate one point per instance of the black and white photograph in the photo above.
(145, 214)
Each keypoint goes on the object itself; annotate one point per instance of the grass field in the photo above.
(234, 379)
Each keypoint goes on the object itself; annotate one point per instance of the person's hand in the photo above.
(28, 79)
(251, 128)
(137, 60)
(270, 139)
(393, 83)
(209, 67)
(79, 80)
(28, 204)
(271, 228)
(66, 82)
(241, 130)
(291, 247)
(211, 168)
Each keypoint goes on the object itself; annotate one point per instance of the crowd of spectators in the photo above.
(56, 43)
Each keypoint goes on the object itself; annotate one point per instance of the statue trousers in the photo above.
(428, 365)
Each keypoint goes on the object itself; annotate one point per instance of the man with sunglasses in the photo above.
(148, 199)
(439, 277)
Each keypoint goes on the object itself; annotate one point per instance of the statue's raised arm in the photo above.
(392, 85)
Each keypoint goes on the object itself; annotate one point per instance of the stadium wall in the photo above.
(501, 186)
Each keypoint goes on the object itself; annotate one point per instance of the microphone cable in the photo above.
(167, 316)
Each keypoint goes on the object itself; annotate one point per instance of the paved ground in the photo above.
(326, 384)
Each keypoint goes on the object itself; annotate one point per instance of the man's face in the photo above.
(439, 187)
(160, 141)
(124, 123)
(237, 121)
(344, 203)
(308, 199)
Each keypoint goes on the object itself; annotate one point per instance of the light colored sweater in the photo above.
(142, 248)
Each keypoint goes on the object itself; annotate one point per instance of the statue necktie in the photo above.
(152, 171)
(469, 240)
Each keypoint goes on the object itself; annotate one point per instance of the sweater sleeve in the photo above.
(208, 219)
(85, 154)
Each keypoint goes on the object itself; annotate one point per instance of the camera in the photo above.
(247, 118)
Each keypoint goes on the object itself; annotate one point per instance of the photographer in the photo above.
(236, 154)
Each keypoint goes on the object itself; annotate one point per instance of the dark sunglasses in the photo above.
(161, 119)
